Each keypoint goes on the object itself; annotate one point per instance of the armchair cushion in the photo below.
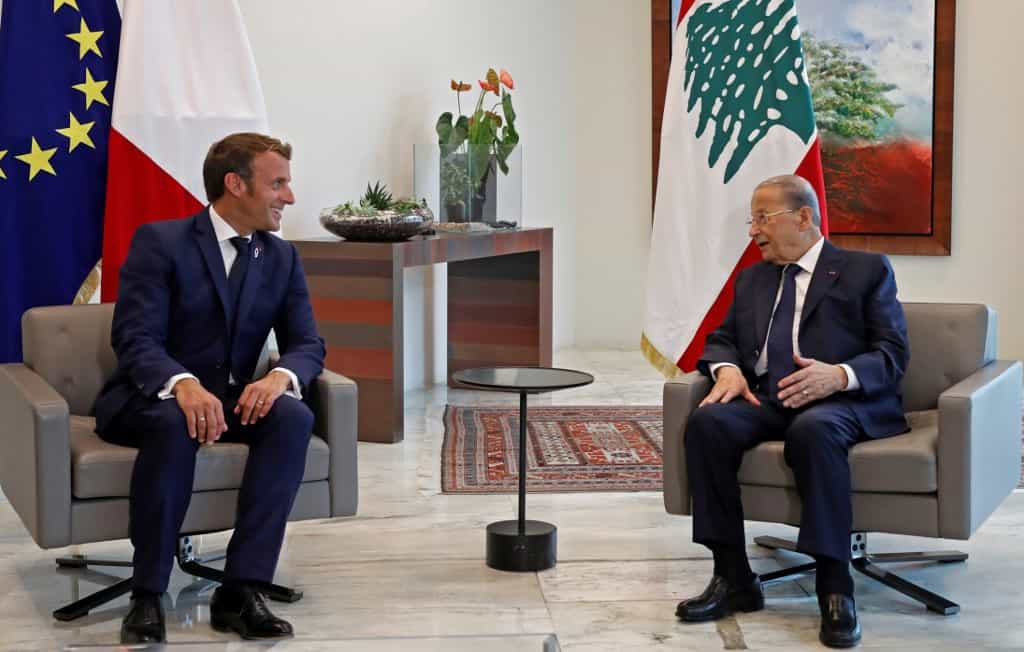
(103, 470)
(900, 464)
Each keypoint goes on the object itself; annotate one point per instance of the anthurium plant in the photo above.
(484, 134)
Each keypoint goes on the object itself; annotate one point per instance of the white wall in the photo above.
(613, 167)
(354, 84)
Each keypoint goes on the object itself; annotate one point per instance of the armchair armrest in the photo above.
(978, 446)
(334, 400)
(680, 398)
(35, 466)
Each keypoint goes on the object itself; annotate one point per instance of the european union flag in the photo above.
(57, 64)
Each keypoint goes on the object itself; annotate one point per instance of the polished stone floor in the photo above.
(408, 572)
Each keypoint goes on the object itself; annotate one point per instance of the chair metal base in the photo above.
(188, 561)
(867, 563)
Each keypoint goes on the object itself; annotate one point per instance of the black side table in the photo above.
(522, 545)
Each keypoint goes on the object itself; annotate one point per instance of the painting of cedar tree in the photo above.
(871, 67)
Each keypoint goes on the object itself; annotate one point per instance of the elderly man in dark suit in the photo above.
(812, 353)
(197, 300)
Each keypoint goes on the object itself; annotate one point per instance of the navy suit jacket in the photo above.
(850, 315)
(171, 315)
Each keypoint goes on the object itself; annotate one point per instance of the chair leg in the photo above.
(787, 573)
(939, 556)
(933, 601)
(81, 607)
(867, 562)
(81, 561)
(188, 561)
(191, 564)
(775, 543)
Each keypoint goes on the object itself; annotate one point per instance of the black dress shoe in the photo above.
(720, 599)
(839, 626)
(244, 611)
(144, 622)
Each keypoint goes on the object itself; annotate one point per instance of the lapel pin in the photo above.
(256, 252)
(831, 272)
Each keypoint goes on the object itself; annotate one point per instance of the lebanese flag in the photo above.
(737, 111)
(185, 79)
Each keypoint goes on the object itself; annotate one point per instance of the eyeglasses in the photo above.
(764, 218)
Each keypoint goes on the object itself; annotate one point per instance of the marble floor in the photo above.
(408, 572)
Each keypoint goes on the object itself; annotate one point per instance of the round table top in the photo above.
(522, 379)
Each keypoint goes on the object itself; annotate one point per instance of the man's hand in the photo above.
(812, 382)
(257, 398)
(729, 383)
(203, 412)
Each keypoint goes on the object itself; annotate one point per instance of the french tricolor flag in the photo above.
(186, 78)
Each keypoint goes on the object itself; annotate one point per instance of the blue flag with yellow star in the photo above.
(57, 64)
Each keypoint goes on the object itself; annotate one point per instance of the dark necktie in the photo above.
(780, 335)
(237, 275)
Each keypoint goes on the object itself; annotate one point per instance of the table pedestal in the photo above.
(522, 545)
(534, 549)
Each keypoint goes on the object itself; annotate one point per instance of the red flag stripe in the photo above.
(684, 9)
(810, 169)
(138, 191)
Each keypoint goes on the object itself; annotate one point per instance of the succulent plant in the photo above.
(376, 197)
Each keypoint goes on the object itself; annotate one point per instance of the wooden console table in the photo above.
(499, 309)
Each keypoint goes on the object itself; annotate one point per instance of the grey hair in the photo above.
(798, 192)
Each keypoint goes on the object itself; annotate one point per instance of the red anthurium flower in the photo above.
(507, 79)
(463, 86)
(487, 87)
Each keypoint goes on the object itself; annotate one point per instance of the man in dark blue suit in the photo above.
(196, 303)
(812, 353)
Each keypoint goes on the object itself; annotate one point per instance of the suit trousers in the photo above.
(817, 439)
(161, 485)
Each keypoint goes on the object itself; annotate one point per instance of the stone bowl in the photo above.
(383, 226)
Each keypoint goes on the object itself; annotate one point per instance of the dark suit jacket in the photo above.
(172, 316)
(850, 315)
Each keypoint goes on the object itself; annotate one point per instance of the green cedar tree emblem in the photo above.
(746, 68)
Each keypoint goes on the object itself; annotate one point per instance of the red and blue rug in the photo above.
(569, 449)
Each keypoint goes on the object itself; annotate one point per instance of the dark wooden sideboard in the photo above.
(499, 309)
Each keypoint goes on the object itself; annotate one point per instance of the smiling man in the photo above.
(812, 353)
(197, 299)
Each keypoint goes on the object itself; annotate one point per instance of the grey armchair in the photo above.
(942, 479)
(70, 487)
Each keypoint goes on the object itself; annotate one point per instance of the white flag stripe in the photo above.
(186, 78)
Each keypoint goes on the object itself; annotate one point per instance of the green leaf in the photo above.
(460, 131)
(506, 107)
(444, 127)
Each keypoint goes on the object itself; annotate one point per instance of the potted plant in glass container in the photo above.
(378, 217)
(473, 146)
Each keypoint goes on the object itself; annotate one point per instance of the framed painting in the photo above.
(881, 74)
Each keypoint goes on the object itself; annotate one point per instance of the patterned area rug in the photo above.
(570, 449)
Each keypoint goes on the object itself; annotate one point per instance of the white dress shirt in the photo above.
(224, 233)
(807, 263)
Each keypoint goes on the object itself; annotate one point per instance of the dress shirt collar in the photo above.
(222, 229)
(809, 260)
